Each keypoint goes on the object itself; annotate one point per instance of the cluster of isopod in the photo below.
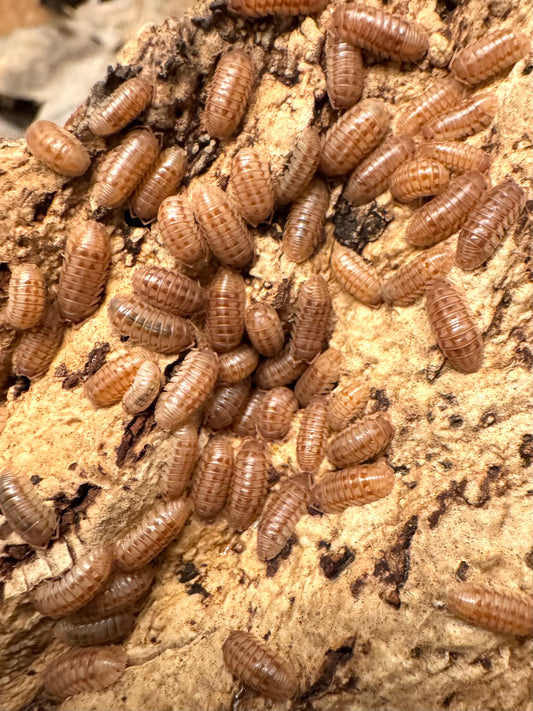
(241, 375)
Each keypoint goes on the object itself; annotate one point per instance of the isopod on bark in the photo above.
(26, 513)
(57, 148)
(179, 467)
(122, 592)
(244, 424)
(275, 412)
(251, 185)
(260, 8)
(345, 74)
(419, 178)
(438, 98)
(305, 222)
(470, 116)
(354, 486)
(489, 55)
(320, 377)
(238, 364)
(225, 309)
(248, 485)
(311, 322)
(359, 278)
(362, 440)
(282, 369)
(212, 478)
(264, 329)
(168, 290)
(228, 93)
(109, 384)
(81, 671)
(38, 346)
(26, 296)
(312, 438)
(225, 404)
(160, 182)
(457, 157)
(280, 516)
(79, 632)
(300, 167)
(144, 389)
(121, 107)
(346, 403)
(179, 231)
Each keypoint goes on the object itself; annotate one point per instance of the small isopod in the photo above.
(311, 322)
(280, 516)
(487, 223)
(457, 157)
(261, 8)
(185, 452)
(26, 296)
(489, 55)
(419, 178)
(225, 404)
(144, 389)
(305, 222)
(359, 278)
(80, 632)
(122, 592)
(244, 423)
(238, 364)
(225, 310)
(26, 513)
(109, 384)
(354, 486)
(470, 116)
(347, 403)
(251, 185)
(282, 369)
(168, 290)
(121, 107)
(345, 74)
(84, 670)
(57, 148)
(248, 485)
(320, 377)
(264, 329)
(275, 412)
(179, 231)
(159, 183)
(438, 98)
(362, 440)
(312, 437)
(300, 168)
(212, 478)
(228, 93)
(38, 347)
(454, 327)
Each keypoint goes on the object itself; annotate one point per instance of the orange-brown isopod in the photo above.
(305, 222)
(444, 215)
(320, 377)
(489, 55)
(260, 8)
(26, 296)
(345, 74)
(225, 309)
(212, 478)
(152, 534)
(354, 486)
(168, 290)
(25, 511)
(347, 403)
(280, 516)
(457, 157)
(361, 441)
(282, 369)
(496, 609)
(438, 98)
(121, 107)
(84, 272)
(188, 388)
(144, 389)
(371, 177)
(487, 223)
(80, 632)
(359, 278)
(248, 485)
(159, 183)
(383, 34)
(123, 168)
(251, 185)
(454, 327)
(312, 438)
(300, 168)
(222, 226)
(122, 592)
(225, 404)
(311, 322)
(470, 116)
(185, 452)
(275, 412)
(238, 364)
(84, 670)
(264, 329)
(74, 589)
(419, 178)
(57, 148)
(353, 136)
(244, 423)
(228, 93)
(38, 347)
(179, 231)
(108, 385)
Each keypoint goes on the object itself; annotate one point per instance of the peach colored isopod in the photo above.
(38, 347)
(225, 404)
(300, 167)
(212, 478)
(280, 516)
(225, 309)
(185, 452)
(121, 107)
(311, 322)
(362, 440)
(490, 55)
(454, 327)
(122, 592)
(312, 438)
(251, 185)
(57, 148)
(305, 222)
(84, 670)
(244, 424)
(79, 632)
(238, 364)
(359, 278)
(354, 486)
(26, 296)
(228, 93)
(84, 272)
(157, 528)
(470, 116)
(145, 388)
(282, 369)
(346, 403)
(160, 182)
(320, 377)
(248, 485)
(168, 290)
(345, 74)
(487, 223)
(188, 388)
(419, 178)
(353, 136)
(26, 513)
(179, 231)
(275, 412)
(264, 329)
(496, 609)
(457, 157)
(260, 8)
(380, 32)
(109, 384)
(439, 97)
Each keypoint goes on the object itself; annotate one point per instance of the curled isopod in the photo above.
(225, 404)
(438, 98)
(109, 384)
(84, 272)
(251, 185)
(248, 484)
(260, 8)
(74, 589)
(312, 438)
(305, 222)
(179, 231)
(187, 390)
(57, 148)
(38, 346)
(457, 157)
(26, 296)
(225, 309)
(496, 609)
(228, 93)
(346, 403)
(281, 514)
(168, 290)
(353, 136)
(149, 326)
(419, 178)
(26, 513)
(264, 329)
(212, 478)
(184, 455)
(144, 389)
(300, 167)
(354, 486)
(152, 534)
(121, 107)
(490, 55)
(362, 440)
(320, 377)
(311, 322)
(122, 592)
(160, 182)
(80, 632)
(244, 424)
(380, 32)
(470, 116)
(282, 369)
(487, 223)
(275, 412)
(454, 327)
(238, 364)
(358, 277)
(81, 671)
(345, 74)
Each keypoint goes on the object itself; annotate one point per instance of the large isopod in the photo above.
(354, 486)
(320, 377)
(38, 346)
(26, 513)
(238, 364)
(312, 319)
(281, 514)
(248, 484)
(421, 177)
(80, 632)
(179, 231)
(490, 55)
(264, 329)
(275, 413)
(168, 290)
(57, 148)
(260, 8)
(123, 592)
(179, 467)
(358, 277)
(438, 98)
(212, 478)
(457, 157)
(311, 442)
(245, 423)
(160, 182)
(26, 298)
(362, 440)
(120, 108)
(81, 671)
(300, 167)
(225, 310)
(145, 388)
(346, 403)
(345, 74)
(251, 185)
(470, 116)
(305, 222)
(228, 93)
(281, 369)
(225, 404)
(109, 384)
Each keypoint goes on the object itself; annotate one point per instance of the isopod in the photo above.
(38, 347)
(457, 157)
(160, 182)
(495, 609)
(26, 296)
(251, 185)
(108, 385)
(25, 511)
(438, 98)
(312, 438)
(226, 306)
(248, 484)
(282, 369)
(83, 276)
(122, 592)
(80, 632)
(225, 404)
(168, 290)
(212, 478)
(419, 178)
(244, 423)
(257, 666)
(320, 377)
(487, 223)
(470, 116)
(312, 315)
(305, 222)
(238, 364)
(228, 93)
(300, 168)
(121, 107)
(353, 136)
(361, 441)
(489, 55)
(275, 412)
(152, 534)
(346, 403)
(144, 389)
(345, 75)
(179, 231)
(260, 8)
(354, 486)
(359, 278)
(280, 516)
(264, 329)
(84, 670)
(454, 327)
(57, 148)
(185, 452)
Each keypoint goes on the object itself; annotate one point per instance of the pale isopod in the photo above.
(489, 55)
(225, 310)
(212, 478)
(168, 290)
(495, 609)
(355, 486)
(305, 222)
(358, 277)
(300, 167)
(185, 453)
(144, 389)
(419, 178)
(159, 183)
(260, 8)
(275, 412)
(228, 93)
(438, 98)
(84, 670)
(80, 632)
(225, 404)
(345, 75)
(312, 315)
(38, 347)
(179, 231)
(470, 116)
(264, 329)
(25, 511)
(26, 296)
(320, 377)
(251, 185)
(280, 516)
(122, 592)
(248, 485)
(57, 148)
(244, 423)
(362, 440)
(238, 364)
(109, 384)
(312, 437)
(121, 107)
(282, 369)
(346, 403)
(457, 157)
